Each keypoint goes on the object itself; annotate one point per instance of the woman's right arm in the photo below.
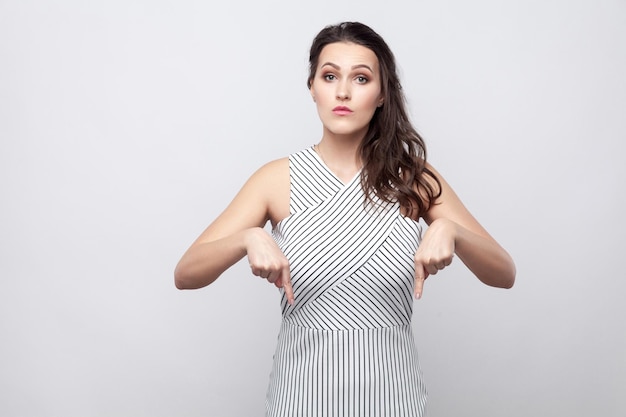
(238, 232)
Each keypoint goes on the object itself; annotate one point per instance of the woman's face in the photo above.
(347, 88)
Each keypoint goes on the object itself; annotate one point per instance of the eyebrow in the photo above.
(337, 67)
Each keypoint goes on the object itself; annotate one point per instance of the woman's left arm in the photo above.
(454, 230)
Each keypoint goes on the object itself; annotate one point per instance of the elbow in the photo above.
(512, 274)
(181, 279)
(188, 278)
(508, 283)
(501, 281)
(508, 277)
(502, 277)
(180, 284)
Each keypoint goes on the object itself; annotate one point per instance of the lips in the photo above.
(342, 110)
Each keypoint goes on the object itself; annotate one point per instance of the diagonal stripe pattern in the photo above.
(346, 347)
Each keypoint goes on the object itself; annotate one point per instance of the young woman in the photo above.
(346, 248)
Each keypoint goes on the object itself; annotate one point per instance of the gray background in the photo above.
(127, 126)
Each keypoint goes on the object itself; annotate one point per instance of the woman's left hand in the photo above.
(435, 252)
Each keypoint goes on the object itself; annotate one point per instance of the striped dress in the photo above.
(345, 348)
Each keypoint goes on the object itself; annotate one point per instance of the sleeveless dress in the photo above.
(345, 348)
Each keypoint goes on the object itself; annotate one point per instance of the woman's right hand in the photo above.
(268, 261)
(238, 231)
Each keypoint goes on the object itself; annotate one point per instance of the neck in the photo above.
(341, 155)
(346, 146)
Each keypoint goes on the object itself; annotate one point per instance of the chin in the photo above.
(346, 131)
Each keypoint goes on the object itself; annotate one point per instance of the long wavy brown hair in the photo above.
(393, 153)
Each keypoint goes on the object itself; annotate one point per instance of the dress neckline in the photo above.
(321, 161)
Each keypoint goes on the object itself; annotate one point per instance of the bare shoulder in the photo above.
(274, 169)
(271, 185)
(264, 197)
(280, 184)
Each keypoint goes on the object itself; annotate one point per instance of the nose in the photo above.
(343, 91)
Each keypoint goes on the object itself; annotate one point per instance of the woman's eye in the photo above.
(329, 77)
(361, 80)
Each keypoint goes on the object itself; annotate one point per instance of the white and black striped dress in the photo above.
(346, 347)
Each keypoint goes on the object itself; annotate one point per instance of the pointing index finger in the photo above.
(420, 276)
(287, 286)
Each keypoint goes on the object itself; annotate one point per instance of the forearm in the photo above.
(485, 258)
(204, 262)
